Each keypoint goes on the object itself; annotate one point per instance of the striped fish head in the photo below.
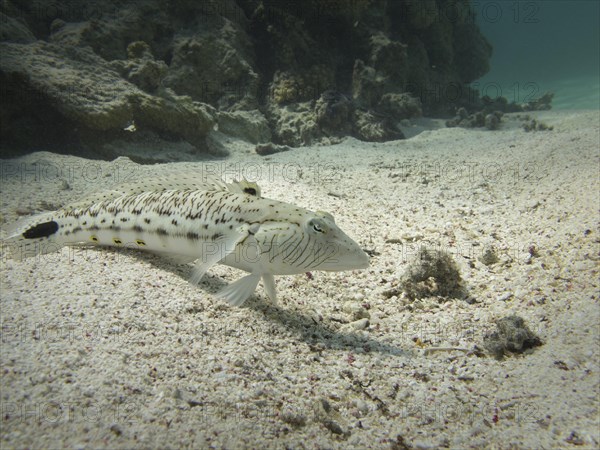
(314, 243)
(334, 250)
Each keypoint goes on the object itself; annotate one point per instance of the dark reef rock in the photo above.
(270, 149)
(373, 127)
(492, 121)
(294, 124)
(432, 273)
(400, 106)
(490, 116)
(544, 103)
(310, 71)
(512, 336)
(213, 63)
(102, 26)
(533, 125)
(334, 112)
(82, 92)
(476, 120)
(141, 68)
(389, 58)
(14, 30)
(367, 85)
(248, 125)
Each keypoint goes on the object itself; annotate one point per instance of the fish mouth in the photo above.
(364, 262)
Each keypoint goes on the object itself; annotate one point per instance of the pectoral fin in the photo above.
(237, 292)
(215, 252)
(269, 284)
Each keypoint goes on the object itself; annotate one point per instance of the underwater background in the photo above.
(112, 78)
(455, 141)
(544, 46)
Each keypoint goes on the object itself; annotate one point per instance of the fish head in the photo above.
(333, 250)
(314, 242)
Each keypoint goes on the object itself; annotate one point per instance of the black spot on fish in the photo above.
(216, 236)
(41, 230)
(174, 222)
(76, 230)
(147, 220)
(124, 219)
(205, 226)
(161, 231)
(103, 221)
(137, 228)
(193, 236)
(94, 228)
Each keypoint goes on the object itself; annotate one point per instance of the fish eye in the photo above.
(316, 226)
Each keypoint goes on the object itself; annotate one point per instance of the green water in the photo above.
(542, 46)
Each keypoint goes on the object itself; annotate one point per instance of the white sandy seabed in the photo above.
(103, 348)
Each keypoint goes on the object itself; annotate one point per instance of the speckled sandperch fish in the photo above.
(187, 219)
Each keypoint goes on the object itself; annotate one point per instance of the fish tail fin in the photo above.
(31, 236)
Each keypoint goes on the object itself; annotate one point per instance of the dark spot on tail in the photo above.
(41, 230)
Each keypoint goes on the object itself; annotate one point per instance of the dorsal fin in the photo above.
(179, 180)
(244, 186)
